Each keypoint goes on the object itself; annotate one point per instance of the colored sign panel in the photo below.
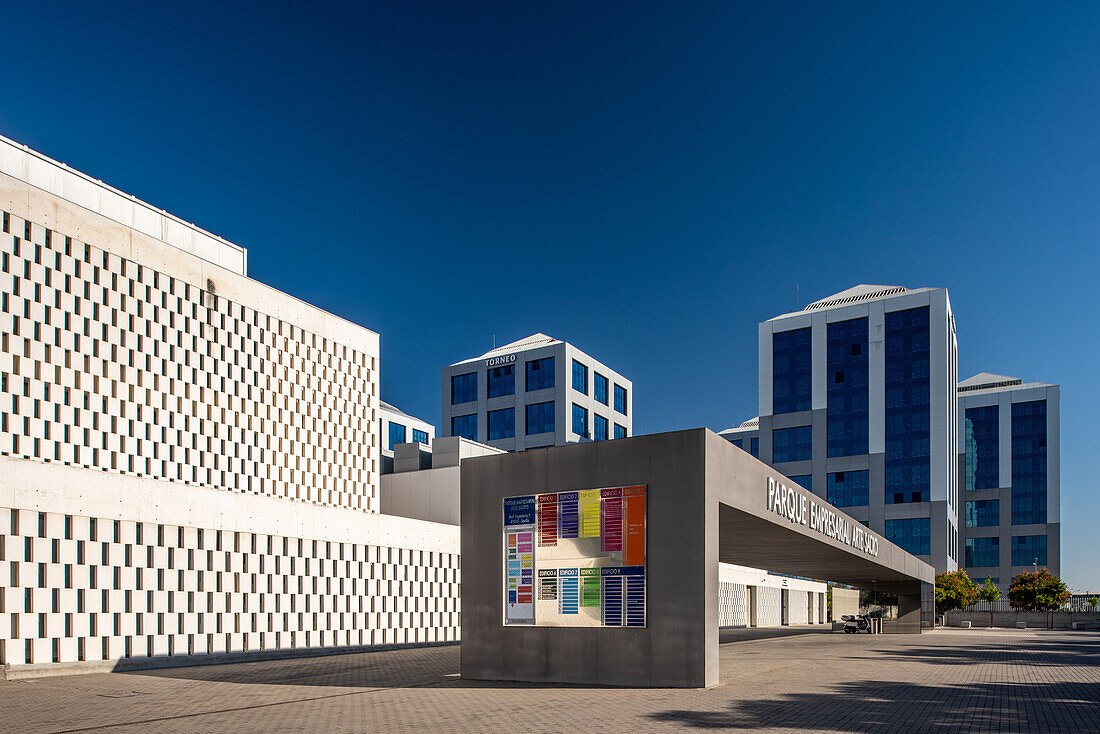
(519, 511)
(548, 519)
(576, 558)
(590, 587)
(519, 570)
(634, 499)
(589, 502)
(568, 515)
(611, 519)
(569, 601)
(548, 585)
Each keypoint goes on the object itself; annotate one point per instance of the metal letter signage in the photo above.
(576, 559)
(788, 502)
(497, 361)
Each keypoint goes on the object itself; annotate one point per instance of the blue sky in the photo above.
(647, 181)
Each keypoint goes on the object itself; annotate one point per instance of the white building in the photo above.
(189, 459)
(534, 393)
(857, 404)
(1009, 468)
(397, 427)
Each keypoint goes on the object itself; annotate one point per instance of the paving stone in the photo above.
(772, 680)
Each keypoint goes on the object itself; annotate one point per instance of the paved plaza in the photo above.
(774, 680)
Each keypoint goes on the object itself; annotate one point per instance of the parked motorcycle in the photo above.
(855, 623)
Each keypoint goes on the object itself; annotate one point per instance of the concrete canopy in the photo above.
(707, 501)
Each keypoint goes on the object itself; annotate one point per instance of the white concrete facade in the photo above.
(752, 597)
(32, 170)
(425, 483)
(395, 427)
(872, 303)
(987, 391)
(190, 460)
(561, 395)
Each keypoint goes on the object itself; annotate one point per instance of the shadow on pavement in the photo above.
(1030, 651)
(888, 706)
(748, 634)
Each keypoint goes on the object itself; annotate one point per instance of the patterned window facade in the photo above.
(540, 374)
(792, 444)
(983, 448)
(908, 406)
(849, 488)
(983, 513)
(847, 420)
(419, 436)
(805, 481)
(540, 418)
(791, 366)
(463, 388)
(502, 424)
(112, 365)
(465, 426)
(1029, 549)
(502, 381)
(1029, 462)
(620, 431)
(911, 534)
(981, 552)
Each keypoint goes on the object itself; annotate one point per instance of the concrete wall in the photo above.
(32, 170)
(845, 601)
(679, 645)
(105, 570)
(706, 501)
(429, 494)
(156, 363)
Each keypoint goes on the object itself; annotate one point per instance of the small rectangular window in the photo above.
(599, 387)
(540, 374)
(502, 424)
(397, 434)
(465, 426)
(599, 427)
(620, 399)
(540, 418)
(580, 377)
(463, 388)
(580, 421)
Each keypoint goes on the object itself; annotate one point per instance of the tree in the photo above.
(990, 593)
(1037, 592)
(954, 590)
(1092, 601)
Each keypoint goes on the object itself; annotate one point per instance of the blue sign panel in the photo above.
(569, 515)
(519, 510)
(612, 601)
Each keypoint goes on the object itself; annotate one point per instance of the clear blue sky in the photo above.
(647, 181)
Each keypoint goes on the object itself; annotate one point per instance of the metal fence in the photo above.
(1076, 603)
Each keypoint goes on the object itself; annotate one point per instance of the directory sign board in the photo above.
(576, 559)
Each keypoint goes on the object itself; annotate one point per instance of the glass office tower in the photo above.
(1008, 456)
(857, 398)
